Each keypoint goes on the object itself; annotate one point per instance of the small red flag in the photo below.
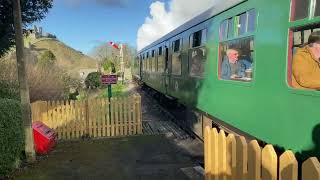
(114, 45)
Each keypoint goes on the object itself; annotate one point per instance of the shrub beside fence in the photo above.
(93, 118)
(232, 158)
(11, 135)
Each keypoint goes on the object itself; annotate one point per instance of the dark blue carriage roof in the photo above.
(218, 8)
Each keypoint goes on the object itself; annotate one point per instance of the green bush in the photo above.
(93, 80)
(11, 135)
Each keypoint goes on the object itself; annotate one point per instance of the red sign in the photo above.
(109, 79)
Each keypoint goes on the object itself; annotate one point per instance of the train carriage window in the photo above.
(160, 60)
(153, 61)
(299, 9)
(317, 9)
(242, 24)
(236, 59)
(176, 58)
(148, 61)
(197, 53)
(251, 20)
(224, 29)
(303, 67)
(230, 28)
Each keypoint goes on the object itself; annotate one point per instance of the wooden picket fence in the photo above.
(93, 118)
(232, 158)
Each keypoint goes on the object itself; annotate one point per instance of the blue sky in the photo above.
(84, 24)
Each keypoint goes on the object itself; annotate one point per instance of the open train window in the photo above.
(236, 59)
(176, 58)
(161, 60)
(303, 67)
(299, 9)
(197, 53)
(302, 9)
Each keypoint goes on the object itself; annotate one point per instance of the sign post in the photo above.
(109, 80)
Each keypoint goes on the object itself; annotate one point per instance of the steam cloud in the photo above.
(162, 21)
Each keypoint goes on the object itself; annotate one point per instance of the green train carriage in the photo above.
(186, 65)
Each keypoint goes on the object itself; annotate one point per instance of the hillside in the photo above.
(68, 58)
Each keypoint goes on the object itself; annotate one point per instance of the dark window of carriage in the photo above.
(242, 24)
(230, 28)
(160, 51)
(251, 26)
(224, 29)
(197, 53)
(161, 64)
(317, 8)
(176, 68)
(299, 9)
(176, 45)
(152, 53)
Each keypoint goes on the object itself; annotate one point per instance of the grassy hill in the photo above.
(68, 58)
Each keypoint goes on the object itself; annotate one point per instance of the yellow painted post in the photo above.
(125, 115)
(103, 117)
(242, 158)
(139, 115)
(72, 116)
(96, 115)
(130, 116)
(49, 114)
(254, 161)
(288, 166)
(134, 119)
(269, 163)
(214, 150)
(231, 167)
(311, 169)
(82, 117)
(207, 153)
(116, 112)
(68, 120)
(222, 156)
(77, 116)
(120, 105)
(59, 119)
(108, 118)
(99, 121)
(113, 114)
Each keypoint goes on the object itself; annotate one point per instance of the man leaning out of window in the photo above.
(306, 64)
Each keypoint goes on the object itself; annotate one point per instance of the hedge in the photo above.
(11, 135)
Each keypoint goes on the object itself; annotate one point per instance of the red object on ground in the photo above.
(44, 137)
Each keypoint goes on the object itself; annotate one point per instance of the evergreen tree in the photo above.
(32, 10)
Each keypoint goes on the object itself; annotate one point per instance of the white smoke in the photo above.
(162, 21)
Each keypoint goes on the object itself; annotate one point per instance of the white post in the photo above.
(121, 62)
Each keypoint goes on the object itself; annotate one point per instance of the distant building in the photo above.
(36, 33)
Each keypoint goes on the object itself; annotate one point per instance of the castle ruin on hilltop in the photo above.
(36, 33)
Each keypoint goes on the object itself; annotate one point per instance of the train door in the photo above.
(167, 74)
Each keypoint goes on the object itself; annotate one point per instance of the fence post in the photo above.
(269, 163)
(288, 166)
(242, 158)
(254, 161)
(311, 169)
(86, 110)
